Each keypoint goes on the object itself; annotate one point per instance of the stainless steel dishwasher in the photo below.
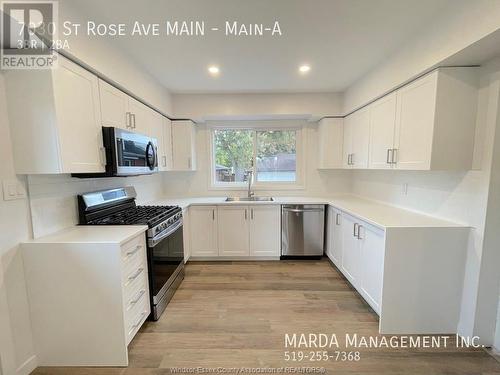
(302, 230)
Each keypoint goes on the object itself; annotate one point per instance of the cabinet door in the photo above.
(141, 117)
(415, 123)
(330, 142)
(360, 138)
(183, 144)
(372, 246)
(233, 229)
(186, 234)
(203, 230)
(157, 132)
(114, 106)
(167, 144)
(382, 127)
(347, 142)
(76, 94)
(265, 230)
(351, 251)
(334, 236)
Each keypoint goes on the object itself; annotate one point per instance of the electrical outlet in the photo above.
(404, 189)
(13, 189)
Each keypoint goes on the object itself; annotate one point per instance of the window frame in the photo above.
(298, 127)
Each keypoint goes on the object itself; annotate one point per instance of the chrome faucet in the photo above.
(250, 177)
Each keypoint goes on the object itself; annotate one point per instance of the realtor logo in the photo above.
(28, 32)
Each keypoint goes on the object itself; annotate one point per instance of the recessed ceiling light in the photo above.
(213, 70)
(304, 68)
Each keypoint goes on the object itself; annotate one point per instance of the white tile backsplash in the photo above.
(53, 197)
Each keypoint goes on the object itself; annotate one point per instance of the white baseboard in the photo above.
(27, 367)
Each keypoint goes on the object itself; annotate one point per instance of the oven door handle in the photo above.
(154, 241)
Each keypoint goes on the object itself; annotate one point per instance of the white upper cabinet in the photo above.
(265, 239)
(55, 120)
(114, 106)
(140, 117)
(435, 121)
(382, 128)
(428, 124)
(183, 145)
(233, 229)
(356, 139)
(160, 130)
(330, 143)
(122, 111)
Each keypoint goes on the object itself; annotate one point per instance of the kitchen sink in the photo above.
(249, 199)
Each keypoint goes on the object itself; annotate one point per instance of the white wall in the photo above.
(115, 64)
(457, 196)
(317, 183)
(201, 106)
(16, 344)
(465, 23)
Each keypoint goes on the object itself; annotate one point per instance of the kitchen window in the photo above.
(271, 154)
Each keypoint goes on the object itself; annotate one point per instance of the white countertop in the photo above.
(376, 213)
(114, 234)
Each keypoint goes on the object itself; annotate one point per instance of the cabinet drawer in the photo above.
(135, 317)
(133, 249)
(133, 272)
(132, 291)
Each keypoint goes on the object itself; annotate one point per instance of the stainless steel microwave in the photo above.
(127, 154)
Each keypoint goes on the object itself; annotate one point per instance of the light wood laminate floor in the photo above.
(235, 314)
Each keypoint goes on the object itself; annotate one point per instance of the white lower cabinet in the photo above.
(372, 245)
(334, 236)
(362, 255)
(265, 234)
(203, 231)
(235, 231)
(351, 254)
(88, 298)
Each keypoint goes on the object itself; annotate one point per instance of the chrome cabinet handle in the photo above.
(354, 233)
(138, 323)
(337, 219)
(135, 275)
(389, 155)
(349, 159)
(359, 232)
(137, 248)
(164, 159)
(132, 120)
(189, 163)
(213, 214)
(102, 156)
(128, 120)
(251, 213)
(352, 159)
(245, 214)
(138, 298)
(394, 159)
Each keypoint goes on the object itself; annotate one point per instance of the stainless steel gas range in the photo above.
(164, 236)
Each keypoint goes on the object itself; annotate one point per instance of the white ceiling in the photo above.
(340, 39)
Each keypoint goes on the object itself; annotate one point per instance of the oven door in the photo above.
(134, 153)
(165, 258)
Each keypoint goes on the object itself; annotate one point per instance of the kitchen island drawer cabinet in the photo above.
(87, 299)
